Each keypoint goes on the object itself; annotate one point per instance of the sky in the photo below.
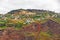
(8, 5)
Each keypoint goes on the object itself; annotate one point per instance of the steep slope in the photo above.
(51, 25)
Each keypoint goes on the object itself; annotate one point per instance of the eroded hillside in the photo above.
(30, 24)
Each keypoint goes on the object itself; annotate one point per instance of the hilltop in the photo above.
(27, 16)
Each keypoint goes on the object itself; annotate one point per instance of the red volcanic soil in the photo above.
(12, 34)
(30, 32)
(51, 25)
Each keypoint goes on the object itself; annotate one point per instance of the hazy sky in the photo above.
(8, 5)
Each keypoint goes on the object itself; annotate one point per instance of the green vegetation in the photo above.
(13, 18)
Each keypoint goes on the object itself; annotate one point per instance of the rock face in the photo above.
(53, 26)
